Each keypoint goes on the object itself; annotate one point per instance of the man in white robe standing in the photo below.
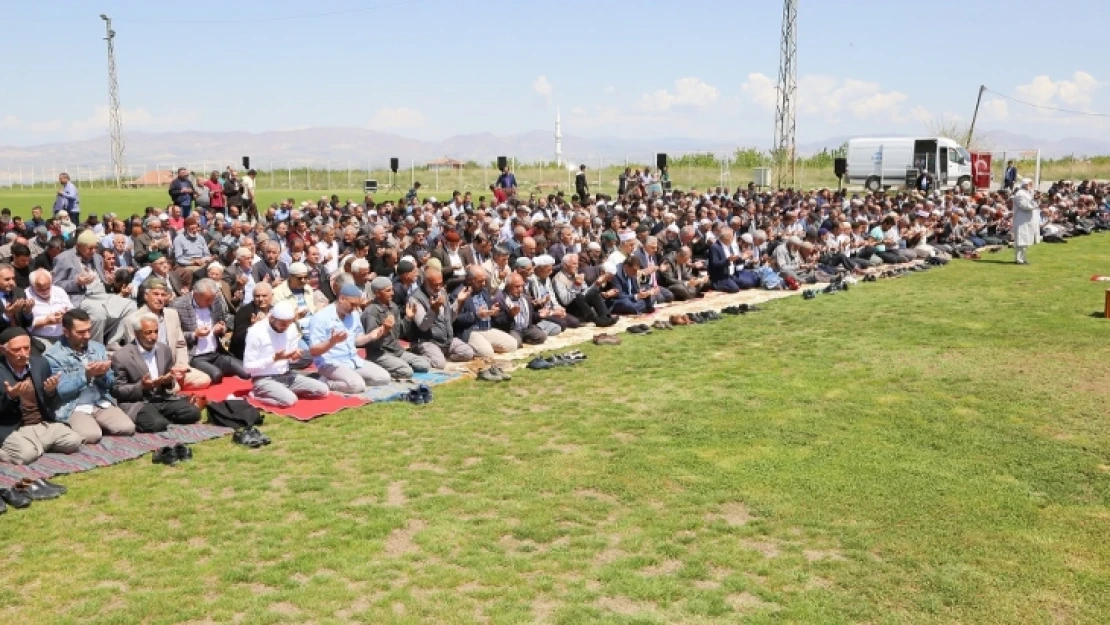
(1027, 221)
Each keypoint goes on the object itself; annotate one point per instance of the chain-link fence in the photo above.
(687, 171)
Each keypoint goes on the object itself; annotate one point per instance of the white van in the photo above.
(883, 163)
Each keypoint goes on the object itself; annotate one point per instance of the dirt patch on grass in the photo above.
(769, 549)
(665, 567)
(426, 466)
(543, 609)
(285, 608)
(627, 607)
(624, 437)
(395, 495)
(400, 542)
(589, 493)
(819, 583)
(747, 602)
(735, 514)
(706, 584)
(815, 555)
(469, 462)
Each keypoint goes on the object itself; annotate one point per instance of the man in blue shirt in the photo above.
(507, 181)
(341, 367)
(68, 199)
(182, 192)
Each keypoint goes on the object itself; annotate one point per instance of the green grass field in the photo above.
(933, 449)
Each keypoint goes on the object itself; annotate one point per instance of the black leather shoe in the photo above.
(14, 498)
(607, 322)
(247, 438)
(711, 315)
(505, 377)
(3, 507)
(262, 438)
(809, 294)
(539, 364)
(61, 490)
(164, 456)
(425, 393)
(182, 452)
(639, 329)
(36, 491)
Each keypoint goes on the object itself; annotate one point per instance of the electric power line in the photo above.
(1047, 108)
(262, 20)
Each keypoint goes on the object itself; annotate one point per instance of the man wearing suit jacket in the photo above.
(156, 295)
(450, 259)
(75, 273)
(631, 299)
(16, 306)
(678, 276)
(565, 245)
(478, 252)
(28, 427)
(204, 320)
(517, 317)
(270, 269)
(146, 378)
(248, 315)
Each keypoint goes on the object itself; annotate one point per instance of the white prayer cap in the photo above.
(1025, 182)
(705, 222)
(593, 245)
(544, 260)
(283, 311)
(298, 269)
(627, 235)
(609, 268)
(747, 238)
(673, 228)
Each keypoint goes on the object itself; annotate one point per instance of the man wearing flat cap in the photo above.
(28, 426)
(338, 324)
(386, 350)
(75, 273)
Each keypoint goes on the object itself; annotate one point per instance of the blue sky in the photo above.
(435, 68)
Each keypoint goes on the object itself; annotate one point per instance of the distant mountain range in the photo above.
(359, 147)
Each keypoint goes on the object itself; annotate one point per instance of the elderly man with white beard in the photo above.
(1027, 221)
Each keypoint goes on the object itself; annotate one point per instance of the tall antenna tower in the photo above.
(115, 123)
(785, 149)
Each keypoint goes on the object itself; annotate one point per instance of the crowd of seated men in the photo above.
(113, 322)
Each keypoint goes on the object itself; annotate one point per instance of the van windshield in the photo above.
(964, 156)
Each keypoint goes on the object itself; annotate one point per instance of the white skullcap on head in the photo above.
(627, 235)
(593, 245)
(609, 268)
(544, 260)
(747, 238)
(1025, 182)
(283, 311)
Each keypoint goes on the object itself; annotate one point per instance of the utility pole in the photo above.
(785, 145)
(115, 123)
(974, 116)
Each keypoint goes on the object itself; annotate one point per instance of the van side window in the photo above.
(954, 156)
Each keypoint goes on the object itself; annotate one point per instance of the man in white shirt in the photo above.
(49, 304)
(272, 344)
(248, 188)
(329, 250)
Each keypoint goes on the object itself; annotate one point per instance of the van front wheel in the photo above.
(873, 184)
